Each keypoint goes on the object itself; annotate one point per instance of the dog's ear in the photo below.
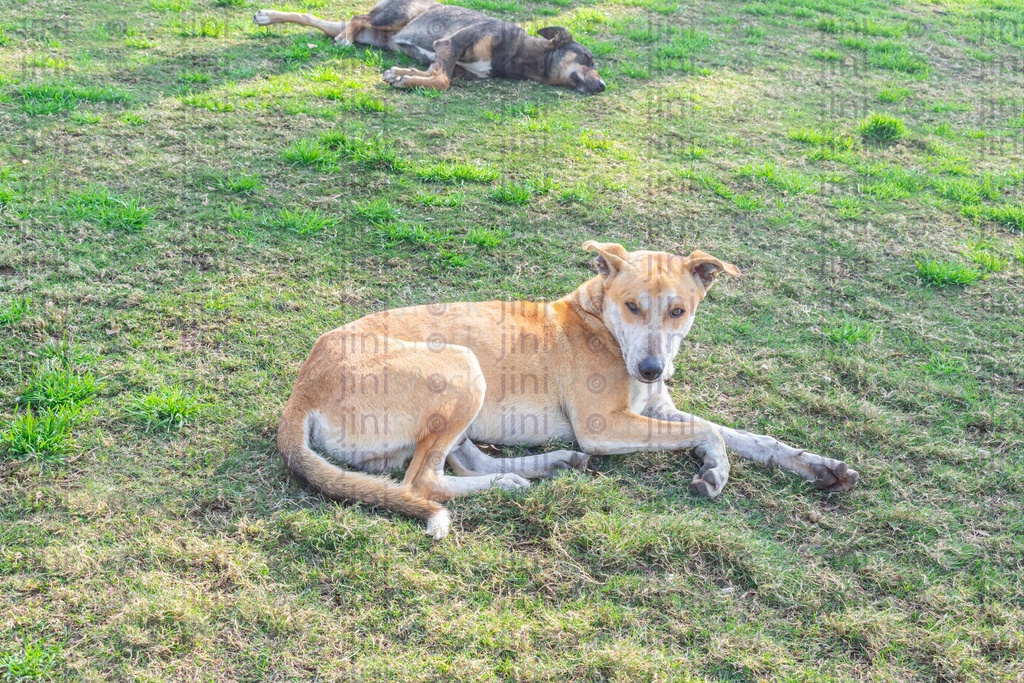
(706, 268)
(556, 34)
(611, 257)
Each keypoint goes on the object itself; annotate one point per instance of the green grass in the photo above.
(684, 44)
(44, 434)
(966, 191)
(371, 151)
(826, 55)
(892, 55)
(595, 141)
(851, 332)
(946, 273)
(194, 77)
(377, 211)
(98, 205)
(746, 202)
(309, 153)
(900, 60)
(33, 662)
(208, 102)
(57, 385)
(755, 34)
(778, 177)
(199, 26)
(980, 252)
(239, 183)
(576, 195)
(63, 95)
(14, 311)
(487, 238)
(693, 152)
(848, 208)
(166, 409)
(513, 193)
(893, 182)
(450, 200)
(86, 118)
(1010, 216)
(831, 139)
(178, 193)
(392, 233)
(301, 221)
(893, 94)
(882, 128)
(944, 365)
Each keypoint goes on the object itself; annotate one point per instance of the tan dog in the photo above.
(419, 385)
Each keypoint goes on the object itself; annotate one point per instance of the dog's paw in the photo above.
(579, 461)
(437, 526)
(511, 482)
(709, 481)
(834, 475)
(341, 41)
(569, 460)
(261, 18)
(390, 76)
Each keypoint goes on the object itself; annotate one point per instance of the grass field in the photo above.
(187, 202)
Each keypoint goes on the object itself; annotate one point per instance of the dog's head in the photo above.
(572, 65)
(649, 301)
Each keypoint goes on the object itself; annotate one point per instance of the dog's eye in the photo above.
(633, 308)
(678, 312)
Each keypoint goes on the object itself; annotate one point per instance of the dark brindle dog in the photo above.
(455, 39)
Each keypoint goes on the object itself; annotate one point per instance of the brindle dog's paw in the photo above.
(709, 482)
(511, 482)
(341, 41)
(834, 475)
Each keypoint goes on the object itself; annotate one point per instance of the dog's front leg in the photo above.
(627, 432)
(823, 473)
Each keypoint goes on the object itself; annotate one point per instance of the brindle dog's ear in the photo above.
(706, 268)
(611, 257)
(556, 34)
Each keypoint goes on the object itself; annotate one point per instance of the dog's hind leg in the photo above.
(466, 458)
(823, 473)
(447, 51)
(444, 426)
(266, 17)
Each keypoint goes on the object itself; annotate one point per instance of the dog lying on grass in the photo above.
(417, 386)
(452, 39)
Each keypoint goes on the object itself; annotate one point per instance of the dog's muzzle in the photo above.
(650, 369)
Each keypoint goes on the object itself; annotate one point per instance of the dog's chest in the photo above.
(480, 68)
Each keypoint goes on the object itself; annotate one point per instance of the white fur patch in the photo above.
(480, 69)
(437, 526)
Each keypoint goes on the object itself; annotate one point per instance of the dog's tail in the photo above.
(339, 484)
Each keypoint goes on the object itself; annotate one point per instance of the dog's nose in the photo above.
(600, 86)
(650, 369)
